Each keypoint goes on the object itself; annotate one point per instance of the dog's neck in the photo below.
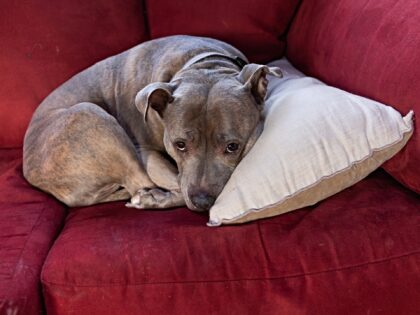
(200, 58)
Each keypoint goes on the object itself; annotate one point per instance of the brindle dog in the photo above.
(164, 123)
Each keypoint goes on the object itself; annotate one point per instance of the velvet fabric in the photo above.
(351, 254)
(29, 223)
(256, 28)
(44, 43)
(370, 48)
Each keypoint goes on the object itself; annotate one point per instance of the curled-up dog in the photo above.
(164, 123)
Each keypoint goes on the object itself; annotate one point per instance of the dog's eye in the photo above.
(180, 145)
(232, 147)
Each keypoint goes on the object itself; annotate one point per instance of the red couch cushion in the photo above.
(29, 222)
(370, 48)
(43, 43)
(350, 254)
(256, 28)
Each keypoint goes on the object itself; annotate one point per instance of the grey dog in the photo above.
(164, 123)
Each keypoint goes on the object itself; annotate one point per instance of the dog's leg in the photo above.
(82, 156)
(165, 175)
(120, 194)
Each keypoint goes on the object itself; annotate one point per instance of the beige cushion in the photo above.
(317, 141)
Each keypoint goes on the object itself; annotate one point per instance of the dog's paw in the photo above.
(150, 198)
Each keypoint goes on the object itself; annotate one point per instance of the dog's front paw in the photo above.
(150, 198)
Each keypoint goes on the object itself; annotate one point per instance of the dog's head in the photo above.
(209, 125)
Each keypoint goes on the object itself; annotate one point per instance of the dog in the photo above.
(164, 123)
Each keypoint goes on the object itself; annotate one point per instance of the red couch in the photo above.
(357, 252)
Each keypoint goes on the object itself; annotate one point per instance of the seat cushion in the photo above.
(353, 252)
(258, 30)
(43, 43)
(370, 48)
(29, 223)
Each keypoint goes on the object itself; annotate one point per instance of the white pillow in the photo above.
(317, 141)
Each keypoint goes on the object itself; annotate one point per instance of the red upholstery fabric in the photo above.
(351, 254)
(43, 43)
(29, 222)
(256, 28)
(370, 48)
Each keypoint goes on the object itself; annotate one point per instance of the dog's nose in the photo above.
(202, 200)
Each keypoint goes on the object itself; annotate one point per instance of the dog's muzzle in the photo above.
(202, 200)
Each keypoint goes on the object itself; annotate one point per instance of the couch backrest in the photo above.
(257, 28)
(371, 48)
(43, 43)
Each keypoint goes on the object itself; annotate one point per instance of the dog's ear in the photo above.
(155, 95)
(253, 76)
